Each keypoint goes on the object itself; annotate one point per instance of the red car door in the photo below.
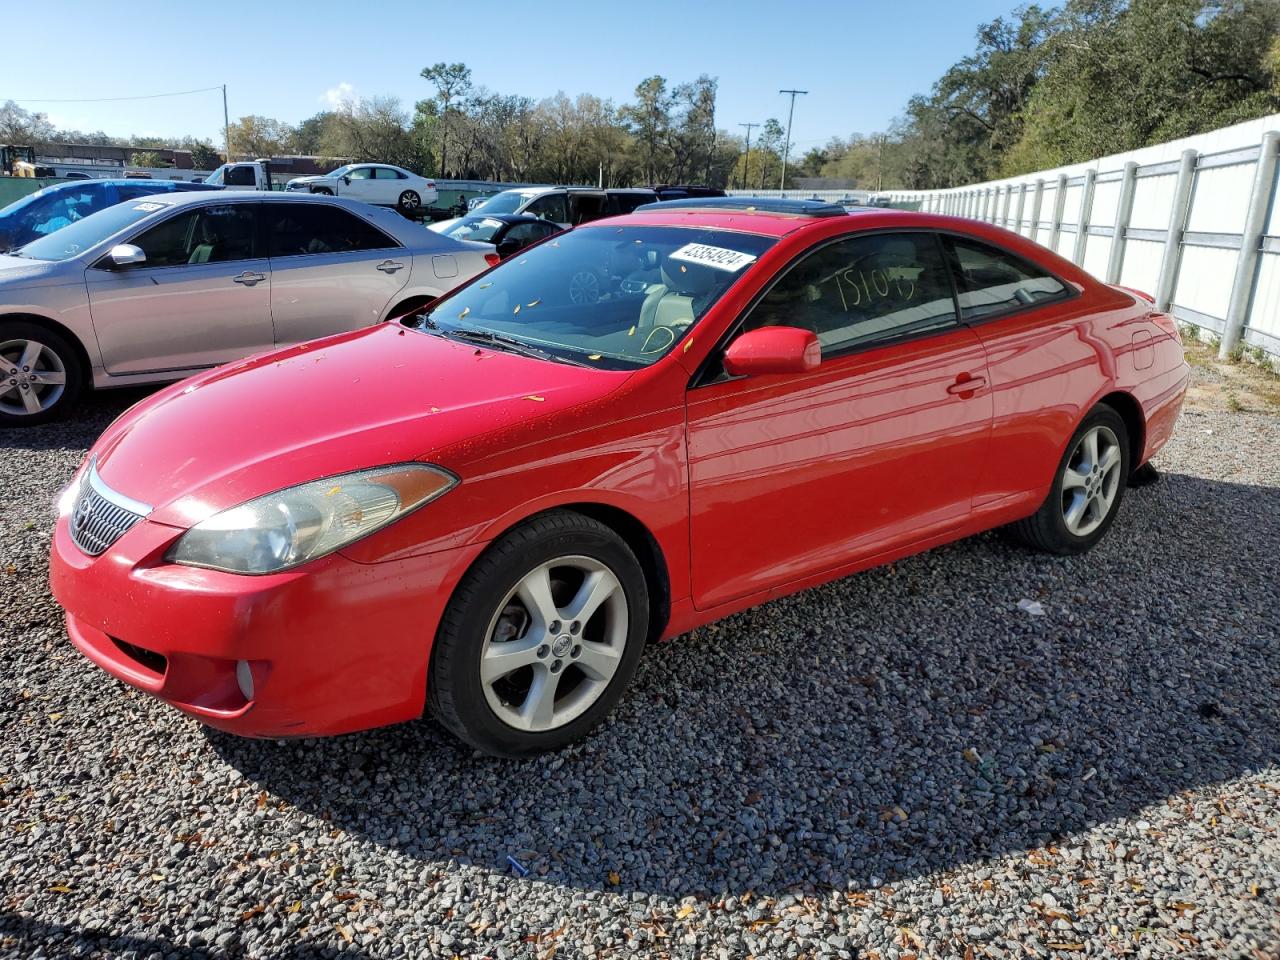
(877, 447)
(1042, 365)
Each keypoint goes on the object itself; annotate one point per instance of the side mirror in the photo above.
(127, 255)
(772, 350)
(347, 181)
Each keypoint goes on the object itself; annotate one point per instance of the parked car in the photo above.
(46, 211)
(154, 289)
(508, 233)
(685, 191)
(377, 183)
(490, 514)
(565, 206)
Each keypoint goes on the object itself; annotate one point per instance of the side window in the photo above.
(387, 173)
(203, 235)
(296, 229)
(990, 280)
(240, 176)
(585, 207)
(550, 207)
(361, 173)
(526, 233)
(863, 290)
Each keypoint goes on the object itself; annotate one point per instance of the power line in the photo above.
(145, 96)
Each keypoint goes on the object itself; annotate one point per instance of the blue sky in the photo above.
(859, 60)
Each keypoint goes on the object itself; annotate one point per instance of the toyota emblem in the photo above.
(83, 513)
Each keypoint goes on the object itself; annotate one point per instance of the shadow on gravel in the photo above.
(25, 935)
(903, 721)
(81, 426)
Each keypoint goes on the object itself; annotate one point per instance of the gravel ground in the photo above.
(902, 763)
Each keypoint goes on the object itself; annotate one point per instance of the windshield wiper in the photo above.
(503, 342)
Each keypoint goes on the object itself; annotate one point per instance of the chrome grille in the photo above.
(101, 516)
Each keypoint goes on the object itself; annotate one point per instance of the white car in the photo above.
(377, 183)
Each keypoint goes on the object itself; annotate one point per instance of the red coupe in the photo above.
(487, 510)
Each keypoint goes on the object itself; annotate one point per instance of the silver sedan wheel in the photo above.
(554, 643)
(409, 200)
(32, 377)
(1091, 481)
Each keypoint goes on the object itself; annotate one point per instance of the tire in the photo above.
(1080, 475)
(409, 201)
(583, 666)
(42, 390)
(323, 191)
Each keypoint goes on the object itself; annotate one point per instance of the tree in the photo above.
(255, 136)
(148, 158)
(452, 82)
(649, 119)
(203, 154)
(22, 126)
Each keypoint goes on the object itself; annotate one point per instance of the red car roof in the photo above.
(765, 223)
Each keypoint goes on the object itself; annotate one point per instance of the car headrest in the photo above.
(688, 279)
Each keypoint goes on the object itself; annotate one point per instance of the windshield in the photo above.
(217, 175)
(508, 201)
(340, 171)
(473, 228)
(613, 297)
(76, 238)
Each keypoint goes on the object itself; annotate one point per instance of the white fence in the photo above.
(1193, 222)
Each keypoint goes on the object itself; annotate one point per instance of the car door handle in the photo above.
(389, 266)
(249, 278)
(967, 384)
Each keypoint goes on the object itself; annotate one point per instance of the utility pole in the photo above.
(746, 162)
(880, 165)
(226, 122)
(786, 146)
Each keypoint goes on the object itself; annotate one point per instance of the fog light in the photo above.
(244, 678)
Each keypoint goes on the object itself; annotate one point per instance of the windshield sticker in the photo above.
(149, 207)
(708, 256)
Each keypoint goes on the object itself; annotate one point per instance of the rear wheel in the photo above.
(1087, 490)
(409, 201)
(40, 374)
(541, 637)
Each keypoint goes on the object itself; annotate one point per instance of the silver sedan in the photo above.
(156, 289)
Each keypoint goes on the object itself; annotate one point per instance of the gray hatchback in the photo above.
(156, 289)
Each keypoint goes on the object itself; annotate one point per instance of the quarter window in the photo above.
(862, 291)
(991, 281)
(214, 234)
(295, 229)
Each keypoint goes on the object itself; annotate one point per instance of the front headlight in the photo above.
(298, 524)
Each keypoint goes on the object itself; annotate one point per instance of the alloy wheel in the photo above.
(554, 643)
(1091, 481)
(32, 377)
(409, 200)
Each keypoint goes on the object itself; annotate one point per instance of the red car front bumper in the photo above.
(333, 647)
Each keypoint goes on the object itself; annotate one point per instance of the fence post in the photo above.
(1059, 205)
(1037, 200)
(1084, 216)
(1255, 222)
(1004, 205)
(1177, 226)
(1124, 210)
(1022, 203)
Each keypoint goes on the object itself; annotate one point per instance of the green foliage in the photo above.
(1047, 87)
(148, 158)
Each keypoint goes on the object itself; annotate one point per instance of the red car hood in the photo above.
(376, 396)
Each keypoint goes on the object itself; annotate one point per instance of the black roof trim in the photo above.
(792, 208)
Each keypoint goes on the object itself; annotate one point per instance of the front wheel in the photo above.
(40, 374)
(322, 191)
(1087, 489)
(541, 637)
(409, 201)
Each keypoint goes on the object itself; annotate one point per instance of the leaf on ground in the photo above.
(1070, 947)
(684, 911)
(253, 912)
(59, 888)
(346, 934)
(614, 879)
(297, 905)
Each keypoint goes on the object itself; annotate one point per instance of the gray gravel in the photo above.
(904, 762)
